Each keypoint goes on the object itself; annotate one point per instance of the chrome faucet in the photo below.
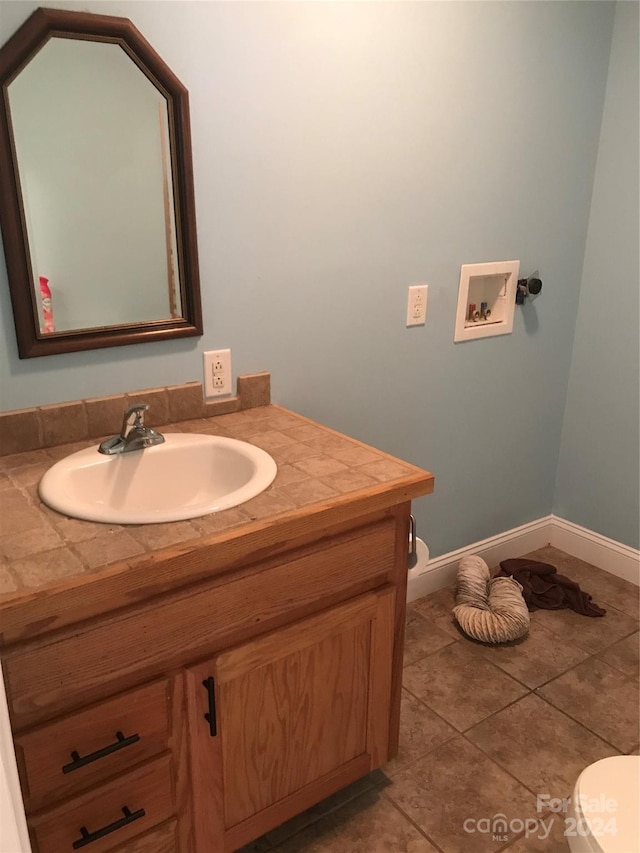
(133, 436)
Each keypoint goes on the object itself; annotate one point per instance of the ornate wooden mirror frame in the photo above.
(14, 56)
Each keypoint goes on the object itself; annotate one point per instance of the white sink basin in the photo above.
(187, 476)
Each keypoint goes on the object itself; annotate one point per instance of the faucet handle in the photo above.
(137, 409)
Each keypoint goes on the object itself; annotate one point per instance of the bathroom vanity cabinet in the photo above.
(289, 717)
(213, 691)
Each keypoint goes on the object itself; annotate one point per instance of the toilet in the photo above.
(604, 812)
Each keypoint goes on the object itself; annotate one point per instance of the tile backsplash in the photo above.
(59, 423)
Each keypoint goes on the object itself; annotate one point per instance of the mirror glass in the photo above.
(102, 190)
(94, 171)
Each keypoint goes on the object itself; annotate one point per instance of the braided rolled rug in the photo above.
(492, 611)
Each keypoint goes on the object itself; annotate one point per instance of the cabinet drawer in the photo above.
(111, 814)
(162, 839)
(84, 749)
(51, 677)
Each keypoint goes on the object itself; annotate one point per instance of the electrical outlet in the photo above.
(217, 373)
(417, 304)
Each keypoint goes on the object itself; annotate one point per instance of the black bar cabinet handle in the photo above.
(78, 762)
(210, 685)
(90, 837)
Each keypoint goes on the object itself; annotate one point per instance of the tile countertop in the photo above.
(318, 470)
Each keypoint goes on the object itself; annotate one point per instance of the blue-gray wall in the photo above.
(599, 468)
(342, 152)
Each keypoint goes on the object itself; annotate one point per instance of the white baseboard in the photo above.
(441, 571)
(606, 554)
(592, 547)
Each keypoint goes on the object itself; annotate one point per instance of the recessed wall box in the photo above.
(491, 290)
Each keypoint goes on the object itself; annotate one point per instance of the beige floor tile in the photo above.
(539, 745)
(460, 685)
(437, 608)
(624, 655)
(422, 637)
(368, 824)
(547, 837)
(536, 658)
(600, 697)
(451, 789)
(593, 634)
(420, 731)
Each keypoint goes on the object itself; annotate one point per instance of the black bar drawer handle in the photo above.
(78, 762)
(89, 837)
(209, 684)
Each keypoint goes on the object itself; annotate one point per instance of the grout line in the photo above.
(429, 708)
(504, 769)
(398, 771)
(510, 843)
(590, 656)
(493, 761)
(499, 711)
(580, 723)
(410, 820)
(458, 733)
(609, 643)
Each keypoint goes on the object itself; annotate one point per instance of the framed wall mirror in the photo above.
(96, 187)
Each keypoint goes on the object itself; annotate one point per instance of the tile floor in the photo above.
(485, 729)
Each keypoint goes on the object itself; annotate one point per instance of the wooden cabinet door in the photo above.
(282, 721)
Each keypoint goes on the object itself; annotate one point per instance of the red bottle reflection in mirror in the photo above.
(47, 307)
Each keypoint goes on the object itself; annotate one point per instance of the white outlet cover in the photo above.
(494, 283)
(417, 304)
(217, 373)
